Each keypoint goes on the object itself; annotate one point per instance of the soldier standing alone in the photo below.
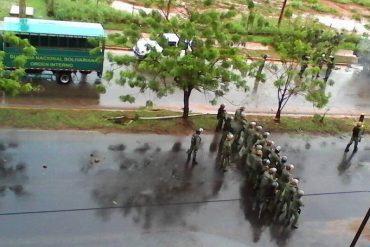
(221, 117)
(357, 132)
(330, 67)
(195, 144)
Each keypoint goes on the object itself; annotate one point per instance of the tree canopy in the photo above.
(202, 60)
(10, 79)
(303, 43)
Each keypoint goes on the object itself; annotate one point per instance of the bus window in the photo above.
(53, 41)
(44, 41)
(63, 42)
(34, 40)
(72, 42)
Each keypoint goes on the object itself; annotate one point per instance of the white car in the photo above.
(144, 46)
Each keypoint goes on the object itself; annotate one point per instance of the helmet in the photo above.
(259, 128)
(323, 55)
(265, 56)
(270, 143)
(300, 192)
(230, 136)
(294, 181)
(222, 106)
(266, 162)
(200, 130)
(359, 124)
(266, 134)
(277, 149)
(290, 167)
(272, 170)
(259, 147)
(331, 57)
(252, 124)
(242, 108)
(284, 159)
(259, 153)
(275, 184)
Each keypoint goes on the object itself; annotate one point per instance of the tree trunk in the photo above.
(278, 112)
(22, 8)
(50, 8)
(255, 87)
(277, 116)
(187, 93)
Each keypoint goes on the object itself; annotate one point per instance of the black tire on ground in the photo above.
(64, 77)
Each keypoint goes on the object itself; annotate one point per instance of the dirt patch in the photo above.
(347, 9)
(365, 233)
(348, 227)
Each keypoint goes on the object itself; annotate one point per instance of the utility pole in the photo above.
(22, 8)
(282, 12)
(360, 229)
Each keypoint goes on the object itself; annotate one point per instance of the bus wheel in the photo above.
(64, 77)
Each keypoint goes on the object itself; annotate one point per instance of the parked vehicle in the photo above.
(144, 45)
(63, 47)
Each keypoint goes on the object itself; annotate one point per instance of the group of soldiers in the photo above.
(319, 63)
(265, 168)
(267, 171)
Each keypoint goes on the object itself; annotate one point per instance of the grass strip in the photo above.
(66, 119)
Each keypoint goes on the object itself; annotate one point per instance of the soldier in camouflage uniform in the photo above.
(238, 133)
(281, 165)
(267, 190)
(274, 156)
(283, 180)
(246, 133)
(357, 132)
(195, 144)
(295, 209)
(254, 161)
(226, 152)
(254, 137)
(287, 197)
(221, 117)
(330, 66)
(238, 114)
(267, 149)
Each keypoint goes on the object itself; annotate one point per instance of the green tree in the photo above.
(10, 79)
(203, 60)
(302, 39)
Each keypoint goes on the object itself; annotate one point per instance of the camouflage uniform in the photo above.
(286, 198)
(194, 146)
(226, 154)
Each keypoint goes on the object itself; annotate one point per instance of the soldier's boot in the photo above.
(295, 221)
(347, 148)
(355, 149)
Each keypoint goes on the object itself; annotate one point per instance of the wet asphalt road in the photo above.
(162, 200)
(350, 95)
